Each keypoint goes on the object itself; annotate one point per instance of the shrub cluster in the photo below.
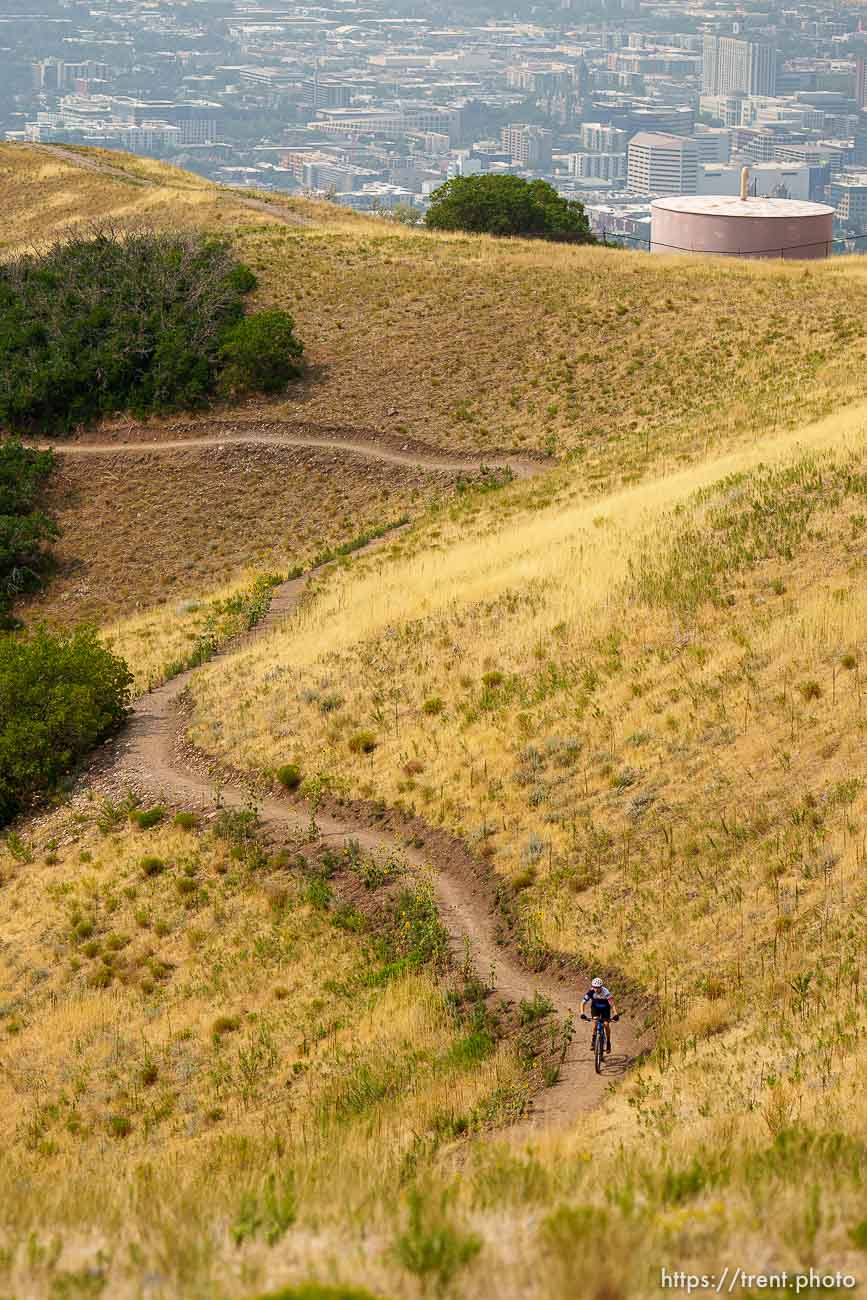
(140, 321)
(24, 527)
(59, 696)
(507, 205)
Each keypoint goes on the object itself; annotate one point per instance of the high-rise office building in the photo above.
(710, 66)
(530, 146)
(730, 65)
(662, 164)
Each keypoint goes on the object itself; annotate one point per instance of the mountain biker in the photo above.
(602, 1008)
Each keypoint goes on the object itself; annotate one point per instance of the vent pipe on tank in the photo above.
(745, 183)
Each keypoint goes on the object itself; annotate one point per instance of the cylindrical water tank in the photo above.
(753, 227)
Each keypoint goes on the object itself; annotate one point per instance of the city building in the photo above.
(767, 180)
(316, 170)
(602, 166)
(529, 146)
(374, 96)
(599, 137)
(849, 198)
(662, 164)
(730, 65)
(714, 144)
(399, 122)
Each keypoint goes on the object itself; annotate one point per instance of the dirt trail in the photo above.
(89, 164)
(394, 451)
(148, 756)
(272, 209)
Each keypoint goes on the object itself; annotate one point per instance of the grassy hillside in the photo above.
(619, 359)
(144, 529)
(624, 364)
(140, 530)
(648, 714)
(633, 685)
(623, 361)
(204, 1039)
(669, 776)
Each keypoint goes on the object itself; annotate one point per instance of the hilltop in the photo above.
(288, 976)
(625, 366)
(625, 362)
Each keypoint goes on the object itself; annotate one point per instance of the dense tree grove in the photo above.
(507, 205)
(115, 320)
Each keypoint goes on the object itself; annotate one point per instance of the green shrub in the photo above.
(119, 1126)
(142, 321)
(146, 818)
(269, 1213)
(318, 893)
(530, 1012)
(59, 696)
(433, 706)
(152, 866)
(678, 1186)
(431, 1247)
(260, 353)
(468, 1051)
(419, 934)
(186, 821)
(506, 205)
(362, 742)
(289, 776)
(225, 1025)
(24, 529)
(373, 874)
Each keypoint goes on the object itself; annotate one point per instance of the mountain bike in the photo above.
(598, 1039)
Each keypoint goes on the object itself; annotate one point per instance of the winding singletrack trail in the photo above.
(149, 757)
(371, 446)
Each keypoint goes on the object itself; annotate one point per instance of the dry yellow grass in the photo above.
(193, 1047)
(155, 641)
(626, 363)
(652, 710)
(647, 706)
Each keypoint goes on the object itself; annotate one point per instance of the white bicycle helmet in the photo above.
(596, 984)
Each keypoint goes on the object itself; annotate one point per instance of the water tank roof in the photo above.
(729, 205)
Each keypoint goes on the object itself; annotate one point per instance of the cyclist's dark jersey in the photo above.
(600, 1003)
